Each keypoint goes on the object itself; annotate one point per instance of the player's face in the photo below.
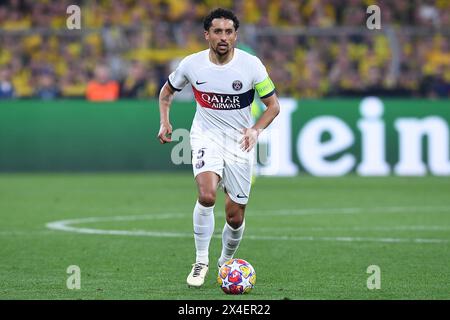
(221, 36)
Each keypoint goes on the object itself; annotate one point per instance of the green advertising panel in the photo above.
(372, 136)
(83, 136)
(320, 137)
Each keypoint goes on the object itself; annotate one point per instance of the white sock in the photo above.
(203, 230)
(230, 241)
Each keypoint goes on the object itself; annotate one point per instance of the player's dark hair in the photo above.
(217, 14)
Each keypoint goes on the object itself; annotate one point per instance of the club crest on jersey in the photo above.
(237, 85)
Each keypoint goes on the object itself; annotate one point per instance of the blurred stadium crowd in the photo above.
(127, 48)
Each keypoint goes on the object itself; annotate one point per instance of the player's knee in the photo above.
(235, 221)
(207, 199)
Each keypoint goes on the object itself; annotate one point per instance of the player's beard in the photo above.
(222, 53)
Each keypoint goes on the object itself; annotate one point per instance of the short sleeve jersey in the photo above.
(223, 93)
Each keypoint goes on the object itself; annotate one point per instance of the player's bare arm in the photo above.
(165, 100)
(251, 134)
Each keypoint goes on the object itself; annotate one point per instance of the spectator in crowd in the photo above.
(135, 83)
(102, 87)
(73, 83)
(6, 87)
(438, 87)
(305, 59)
(47, 88)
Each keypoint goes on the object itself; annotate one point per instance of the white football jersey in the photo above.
(224, 94)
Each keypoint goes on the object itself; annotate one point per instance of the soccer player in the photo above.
(224, 80)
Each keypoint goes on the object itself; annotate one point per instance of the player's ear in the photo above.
(206, 33)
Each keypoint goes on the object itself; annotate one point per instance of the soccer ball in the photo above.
(236, 276)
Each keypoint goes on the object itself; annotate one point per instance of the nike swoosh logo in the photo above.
(196, 82)
(241, 196)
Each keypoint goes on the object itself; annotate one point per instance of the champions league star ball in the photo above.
(236, 276)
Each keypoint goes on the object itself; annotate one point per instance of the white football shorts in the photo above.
(233, 167)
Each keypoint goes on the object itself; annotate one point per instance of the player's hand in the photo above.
(249, 139)
(165, 133)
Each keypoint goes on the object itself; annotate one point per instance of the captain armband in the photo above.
(265, 88)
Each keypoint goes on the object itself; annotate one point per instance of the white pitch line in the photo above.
(24, 232)
(67, 225)
(349, 239)
(320, 211)
(374, 228)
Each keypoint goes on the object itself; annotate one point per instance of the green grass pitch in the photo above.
(307, 237)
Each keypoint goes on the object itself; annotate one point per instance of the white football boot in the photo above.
(197, 276)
